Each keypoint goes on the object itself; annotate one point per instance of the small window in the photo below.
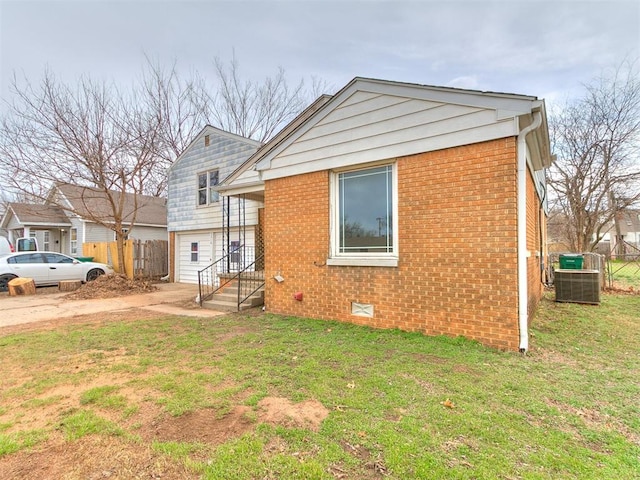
(125, 235)
(46, 241)
(74, 241)
(207, 140)
(194, 251)
(234, 251)
(206, 183)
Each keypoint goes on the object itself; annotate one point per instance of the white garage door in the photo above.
(195, 252)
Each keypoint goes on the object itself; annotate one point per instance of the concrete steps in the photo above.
(226, 300)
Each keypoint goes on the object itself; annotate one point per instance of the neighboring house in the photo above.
(195, 208)
(66, 221)
(629, 224)
(406, 206)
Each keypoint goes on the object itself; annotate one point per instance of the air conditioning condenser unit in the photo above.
(577, 286)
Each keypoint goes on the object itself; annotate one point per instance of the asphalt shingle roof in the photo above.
(90, 202)
(31, 214)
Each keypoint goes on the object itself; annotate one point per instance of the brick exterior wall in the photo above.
(457, 272)
(534, 246)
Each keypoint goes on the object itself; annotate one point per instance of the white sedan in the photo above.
(48, 268)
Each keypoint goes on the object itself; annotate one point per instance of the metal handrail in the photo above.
(209, 277)
(253, 279)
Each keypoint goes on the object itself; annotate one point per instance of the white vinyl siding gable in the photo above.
(370, 122)
(224, 153)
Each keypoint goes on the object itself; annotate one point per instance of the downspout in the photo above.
(523, 291)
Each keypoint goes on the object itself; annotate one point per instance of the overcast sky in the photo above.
(530, 47)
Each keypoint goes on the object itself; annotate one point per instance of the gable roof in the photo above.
(629, 221)
(37, 214)
(87, 202)
(272, 143)
(209, 130)
(372, 119)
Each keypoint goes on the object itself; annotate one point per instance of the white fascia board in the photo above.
(46, 224)
(153, 225)
(240, 189)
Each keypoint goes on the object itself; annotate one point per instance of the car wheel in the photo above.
(4, 282)
(93, 274)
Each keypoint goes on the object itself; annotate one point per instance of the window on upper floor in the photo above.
(364, 216)
(206, 183)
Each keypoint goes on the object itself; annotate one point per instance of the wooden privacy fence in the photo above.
(148, 258)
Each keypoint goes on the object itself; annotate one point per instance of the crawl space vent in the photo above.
(577, 286)
(362, 309)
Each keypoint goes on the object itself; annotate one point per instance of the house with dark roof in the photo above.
(629, 241)
(74, 215)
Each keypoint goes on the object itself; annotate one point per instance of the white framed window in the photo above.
(206, 183)
(364, 216)
(125, 235)
(46, 240)
(74, 241)
(195, 250)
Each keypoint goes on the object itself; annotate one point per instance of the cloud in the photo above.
(469, 82)
(528, 47)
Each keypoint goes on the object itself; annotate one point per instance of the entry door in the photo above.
(195, 252)
(64, 245)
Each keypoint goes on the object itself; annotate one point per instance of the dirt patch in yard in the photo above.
(109, 286)
(128, 315)
(98, 457)
(124, 457)
(92, 458)
(136, 453)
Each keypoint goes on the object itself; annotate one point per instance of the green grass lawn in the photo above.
(401, 405)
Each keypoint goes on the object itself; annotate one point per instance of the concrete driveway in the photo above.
(53, 306)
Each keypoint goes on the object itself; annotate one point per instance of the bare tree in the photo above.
(115, 142)
(92, 135)
(180, 107)
(251, 109)
(257, 110)
(597, 142)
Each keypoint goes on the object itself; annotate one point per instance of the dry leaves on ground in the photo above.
(108, 286)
